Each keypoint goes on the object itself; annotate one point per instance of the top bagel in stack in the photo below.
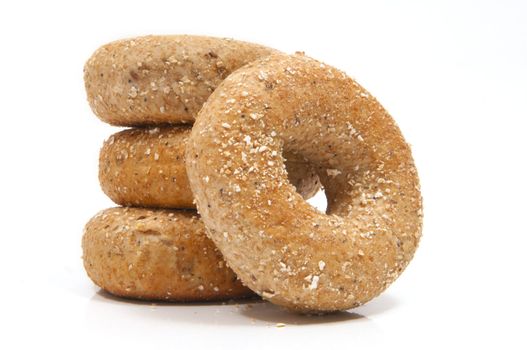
(155, 80)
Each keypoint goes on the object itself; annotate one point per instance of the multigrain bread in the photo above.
(156, 255)
(161, 79)
(278, 245)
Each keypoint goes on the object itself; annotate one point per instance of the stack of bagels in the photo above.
(270, 129)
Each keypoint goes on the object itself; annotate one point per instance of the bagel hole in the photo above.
(319, 200)
(296, 165)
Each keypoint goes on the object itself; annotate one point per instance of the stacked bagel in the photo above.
(270, 129)
(154, 245)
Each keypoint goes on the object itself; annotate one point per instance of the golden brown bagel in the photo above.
(161, 79)
(146, 167)
(156, 255)
(279, 245)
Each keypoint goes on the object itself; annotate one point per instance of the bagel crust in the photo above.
(161, 79)
(156, 255)
(278, 245)
(146, 167)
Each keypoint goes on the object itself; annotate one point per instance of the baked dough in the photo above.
(161, 79)
(278, 245)
(156, 255)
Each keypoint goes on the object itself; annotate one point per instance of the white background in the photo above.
(452, 73)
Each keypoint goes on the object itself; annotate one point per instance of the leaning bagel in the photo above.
(277, 244)
(146, 167)
(156, 255)
(161, 79)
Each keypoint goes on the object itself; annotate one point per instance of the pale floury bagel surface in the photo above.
(156, 255)
(146, 167)
(278, 245)
(161, 79)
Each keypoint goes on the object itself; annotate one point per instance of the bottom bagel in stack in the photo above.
(156, 254)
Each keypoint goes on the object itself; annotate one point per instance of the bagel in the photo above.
(145, 167)
(161, 79)
(280, 246)
(156, 255)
